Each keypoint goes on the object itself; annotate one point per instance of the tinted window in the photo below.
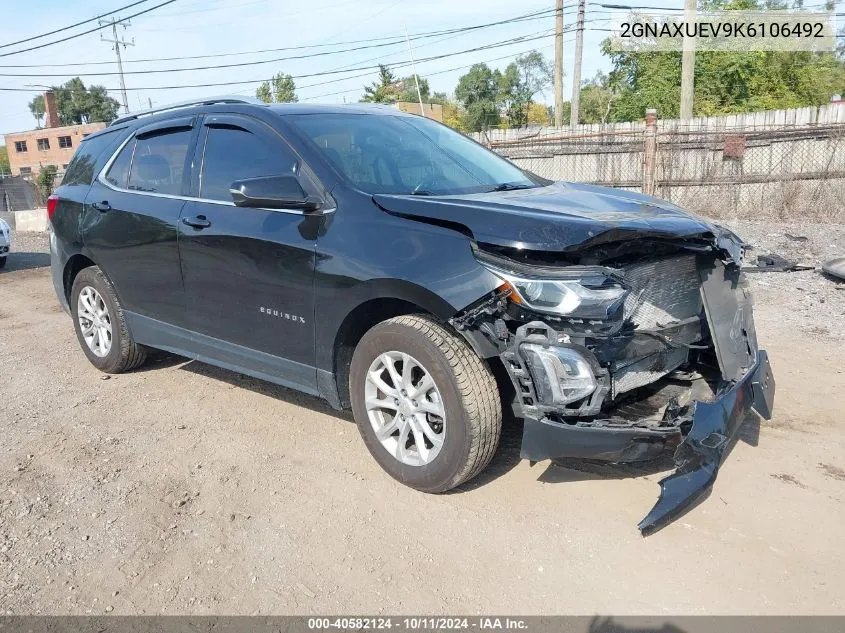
(118, 173)
(80, 171)
(233, 154)
(159, 163)
(407, 154)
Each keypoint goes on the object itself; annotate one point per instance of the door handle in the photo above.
(199, 222)
(102, 207)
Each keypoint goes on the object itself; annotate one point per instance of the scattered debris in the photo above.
(789, 479)
(835, 267)
(834, 472)
(796, 238)
(774, 263)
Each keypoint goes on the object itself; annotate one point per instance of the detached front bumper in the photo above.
(697, 457)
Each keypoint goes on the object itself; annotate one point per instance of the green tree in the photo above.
(407, 87)
(478, 93)
(385, 90)
(539, 114)
(36, 107)
(725, 82)
(4, 160)
(280, 89)
(596, 100)
(45, 179)
(439, 97)
(521, 81)
(77, 104)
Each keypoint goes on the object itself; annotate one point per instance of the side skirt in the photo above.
(207, 349)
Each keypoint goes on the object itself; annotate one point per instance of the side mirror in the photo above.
(272, 192)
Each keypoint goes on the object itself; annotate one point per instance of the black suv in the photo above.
(385, 262)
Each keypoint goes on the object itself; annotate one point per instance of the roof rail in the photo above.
(187, 104)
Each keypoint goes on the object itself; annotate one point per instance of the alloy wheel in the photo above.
(405, 408)
(94, 321)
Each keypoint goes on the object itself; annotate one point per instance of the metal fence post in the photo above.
(649, 151)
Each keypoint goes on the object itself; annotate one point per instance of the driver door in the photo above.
(248, 272)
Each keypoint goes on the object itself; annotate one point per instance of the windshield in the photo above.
(408, 155)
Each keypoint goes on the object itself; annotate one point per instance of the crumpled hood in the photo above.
(557, 218)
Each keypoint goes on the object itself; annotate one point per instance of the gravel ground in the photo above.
(807, 300)
(182, 488)
(29, 250)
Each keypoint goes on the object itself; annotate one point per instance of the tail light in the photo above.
(52, 202)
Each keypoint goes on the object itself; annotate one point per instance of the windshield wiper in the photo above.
(421, 192)
(508, 186)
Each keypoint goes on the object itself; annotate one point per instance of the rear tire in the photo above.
(465, 437)
(111, 348)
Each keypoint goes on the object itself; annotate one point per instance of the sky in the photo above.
(210, 27)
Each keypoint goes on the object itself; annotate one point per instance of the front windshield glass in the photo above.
(408, 155)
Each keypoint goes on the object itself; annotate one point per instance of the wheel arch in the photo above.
(380, 300)
(74, 265)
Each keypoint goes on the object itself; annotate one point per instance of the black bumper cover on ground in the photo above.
(698, 457)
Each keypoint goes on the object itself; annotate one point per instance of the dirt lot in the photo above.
(182, 488)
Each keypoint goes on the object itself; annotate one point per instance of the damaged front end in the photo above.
(620, 351)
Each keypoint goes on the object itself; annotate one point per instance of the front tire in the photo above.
(100, 324)
(3, 261)
(426, 405)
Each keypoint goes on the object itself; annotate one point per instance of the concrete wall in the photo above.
(32, 220)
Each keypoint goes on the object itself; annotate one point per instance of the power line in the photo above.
(394, 41)
(98, 28)
(73, 26)
(517, 40)
(431, 74)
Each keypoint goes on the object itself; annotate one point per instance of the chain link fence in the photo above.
(722, 167)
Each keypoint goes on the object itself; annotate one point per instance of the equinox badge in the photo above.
(282, 315)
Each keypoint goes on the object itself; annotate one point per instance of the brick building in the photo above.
(53, 144)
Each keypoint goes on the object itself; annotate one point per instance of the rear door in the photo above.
(249, 273)
(130, 229)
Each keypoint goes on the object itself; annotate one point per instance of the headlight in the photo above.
(580, 292)
(561, 375)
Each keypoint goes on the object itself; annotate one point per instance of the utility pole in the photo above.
(414, 68)
(688, 64)
(576, 73)
(117, 42)
(559, 63)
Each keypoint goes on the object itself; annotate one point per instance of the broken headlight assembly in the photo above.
(583, 292)
(564, 374)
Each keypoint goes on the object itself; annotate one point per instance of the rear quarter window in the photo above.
(81, 169)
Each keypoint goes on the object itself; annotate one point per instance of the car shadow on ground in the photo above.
(507, 455)
(264, 388)
(24, 260)
(642, 624)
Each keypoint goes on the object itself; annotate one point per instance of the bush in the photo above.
(44, 181)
